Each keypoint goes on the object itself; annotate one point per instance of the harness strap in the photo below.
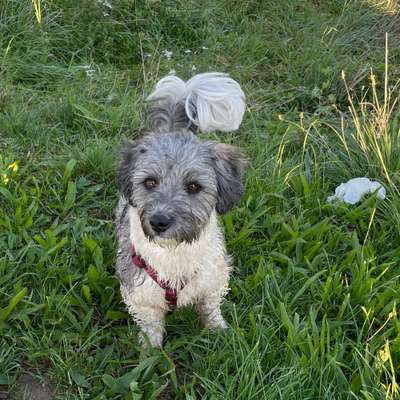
(171, 295)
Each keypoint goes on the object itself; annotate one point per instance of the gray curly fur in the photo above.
(174, 156)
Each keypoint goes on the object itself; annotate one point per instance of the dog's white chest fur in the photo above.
(178, 184)
(202, 266)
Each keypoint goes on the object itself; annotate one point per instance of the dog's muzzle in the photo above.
(160, 222)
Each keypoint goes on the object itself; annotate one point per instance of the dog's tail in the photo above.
(207, 102)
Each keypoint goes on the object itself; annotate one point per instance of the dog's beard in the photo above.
(168, 243)
(165, 240)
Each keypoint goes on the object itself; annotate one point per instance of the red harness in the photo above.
(171, 295)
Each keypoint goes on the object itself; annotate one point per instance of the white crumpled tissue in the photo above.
(353, 191)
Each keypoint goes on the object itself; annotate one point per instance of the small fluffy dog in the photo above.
(171, 251)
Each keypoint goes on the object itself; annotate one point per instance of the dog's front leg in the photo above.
(149, 315)
(210, 312)
(151, 321)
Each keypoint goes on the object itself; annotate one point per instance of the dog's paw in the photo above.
(215, 323)
(153, 339)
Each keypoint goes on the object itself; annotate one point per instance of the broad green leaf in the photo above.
(116, 315)
(70, 197)
(87, 294)
(96, 250)
(92, 274)
(79, 379)
(108, 380)
(5, 312)
(7, 194)
(68, 170)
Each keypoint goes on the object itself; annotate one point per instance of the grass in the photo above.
(313, 305)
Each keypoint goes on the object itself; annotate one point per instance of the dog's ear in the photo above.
(229, 164)
(128, 158)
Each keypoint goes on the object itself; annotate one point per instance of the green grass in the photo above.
(313, 306)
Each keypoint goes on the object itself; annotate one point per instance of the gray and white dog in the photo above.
(171, 251)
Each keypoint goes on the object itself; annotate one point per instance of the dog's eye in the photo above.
(193, 187)
(150, 183)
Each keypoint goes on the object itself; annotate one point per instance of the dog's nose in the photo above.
(160, 223)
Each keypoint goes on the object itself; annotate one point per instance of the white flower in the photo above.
(105, 3)
(89, 71)
(172, 72)
(188, 51)
(204, 47)
(194, 68)
(167, 54)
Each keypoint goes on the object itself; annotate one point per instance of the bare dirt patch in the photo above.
(30, 387)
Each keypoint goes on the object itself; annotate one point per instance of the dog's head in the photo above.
(175, 180)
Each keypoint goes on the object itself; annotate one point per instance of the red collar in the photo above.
(171, 295)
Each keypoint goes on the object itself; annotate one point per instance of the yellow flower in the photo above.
(13, 166)
(6, 179)
(384, 352)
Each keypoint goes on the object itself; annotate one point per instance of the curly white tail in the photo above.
(210, 101)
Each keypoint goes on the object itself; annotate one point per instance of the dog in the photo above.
(171, 250)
